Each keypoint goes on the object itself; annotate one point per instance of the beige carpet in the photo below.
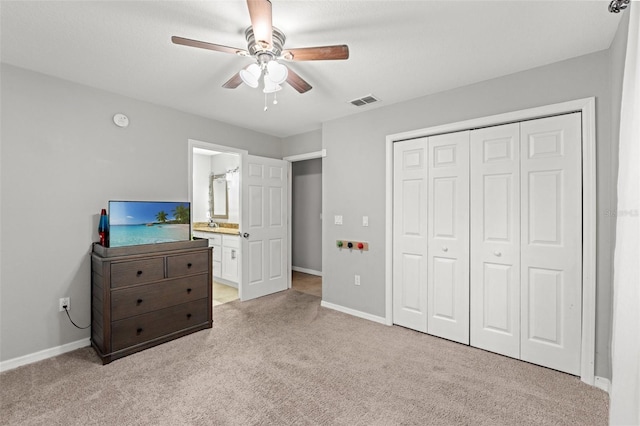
(284, 360)
(306, 283)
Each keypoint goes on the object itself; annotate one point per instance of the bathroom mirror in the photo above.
(218, 197)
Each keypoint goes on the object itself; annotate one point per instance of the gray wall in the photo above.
(62, 160)
(302, 143)
(354, 173)
(306, 208)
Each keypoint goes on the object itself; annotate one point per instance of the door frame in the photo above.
(291, 159)
(242, 153)
(586, 106)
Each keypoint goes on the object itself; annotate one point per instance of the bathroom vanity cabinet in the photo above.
(226, 256)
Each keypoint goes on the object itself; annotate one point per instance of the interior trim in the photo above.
(353, 312)
(587, 107)
(306, 156)
(10, 364)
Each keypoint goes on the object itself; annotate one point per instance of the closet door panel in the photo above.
(448, 242)
(551, 236)
(495, 239)
(410, 234)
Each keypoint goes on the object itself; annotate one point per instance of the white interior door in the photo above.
(495, 239)
(551, 236)
(264, 227)
(448, 237)
(410, 234)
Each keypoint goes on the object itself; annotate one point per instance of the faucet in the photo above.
(212, 224)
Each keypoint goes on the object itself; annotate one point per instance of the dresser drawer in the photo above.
(139, 300)
(137, 272)
(186, 264)
(141, 328)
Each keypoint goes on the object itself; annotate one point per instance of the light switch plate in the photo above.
(365, 220)
(338, 219)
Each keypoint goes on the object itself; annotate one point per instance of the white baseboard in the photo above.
(602, 383)
(307, 271)
(10, 364)
(354, 312)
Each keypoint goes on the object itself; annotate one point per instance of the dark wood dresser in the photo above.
(148, 294)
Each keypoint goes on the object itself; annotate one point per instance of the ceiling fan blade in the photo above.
(233, 82)
(210, 46)
(320, 53)
(261, 22)
(297, 82)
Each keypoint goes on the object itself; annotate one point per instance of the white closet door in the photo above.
(551, 234)
(410, 234)
(448, 242)
(495, 239)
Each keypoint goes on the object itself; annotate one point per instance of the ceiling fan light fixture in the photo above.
(276, 72)
(270, 86)
(251, 75)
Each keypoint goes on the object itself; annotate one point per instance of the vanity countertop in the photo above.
(227, 230)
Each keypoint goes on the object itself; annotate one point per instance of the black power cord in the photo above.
(77, 326)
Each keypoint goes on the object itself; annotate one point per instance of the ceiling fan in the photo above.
(265, 44)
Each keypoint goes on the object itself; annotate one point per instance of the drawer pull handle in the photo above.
(139, 273)
(188, 290)
(188, 265)
(138, 331)
(188, 316)
(139, 301)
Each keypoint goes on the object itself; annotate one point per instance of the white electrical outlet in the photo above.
(357, 280)
(365, 220)
(64, 301)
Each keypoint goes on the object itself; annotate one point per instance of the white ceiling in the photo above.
(399, 50)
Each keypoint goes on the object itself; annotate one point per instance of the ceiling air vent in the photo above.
(365, 100)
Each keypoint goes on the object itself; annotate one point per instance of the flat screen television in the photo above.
(148, 222)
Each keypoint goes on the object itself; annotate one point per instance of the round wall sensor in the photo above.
(121, 120)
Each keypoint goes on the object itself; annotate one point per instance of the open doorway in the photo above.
(215, 204)
(243, 213)
(306, 223)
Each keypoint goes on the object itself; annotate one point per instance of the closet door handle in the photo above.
(497, 253)
(445, 249)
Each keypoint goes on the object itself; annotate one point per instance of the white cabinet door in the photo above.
(448, 237)
(410, 234)
(495, 239)
(264, 225)
(551, 237)
(230, 263)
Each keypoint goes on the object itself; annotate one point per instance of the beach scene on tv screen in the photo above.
(138, 222)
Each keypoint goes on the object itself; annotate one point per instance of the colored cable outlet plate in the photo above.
(352, 245)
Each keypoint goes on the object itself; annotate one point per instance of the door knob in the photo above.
(497, 253)
(445, 249)
(245, 235)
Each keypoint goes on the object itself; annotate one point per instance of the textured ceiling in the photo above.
(399, 50)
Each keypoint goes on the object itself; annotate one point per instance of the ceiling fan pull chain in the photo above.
(275, 98)
(265, 102)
